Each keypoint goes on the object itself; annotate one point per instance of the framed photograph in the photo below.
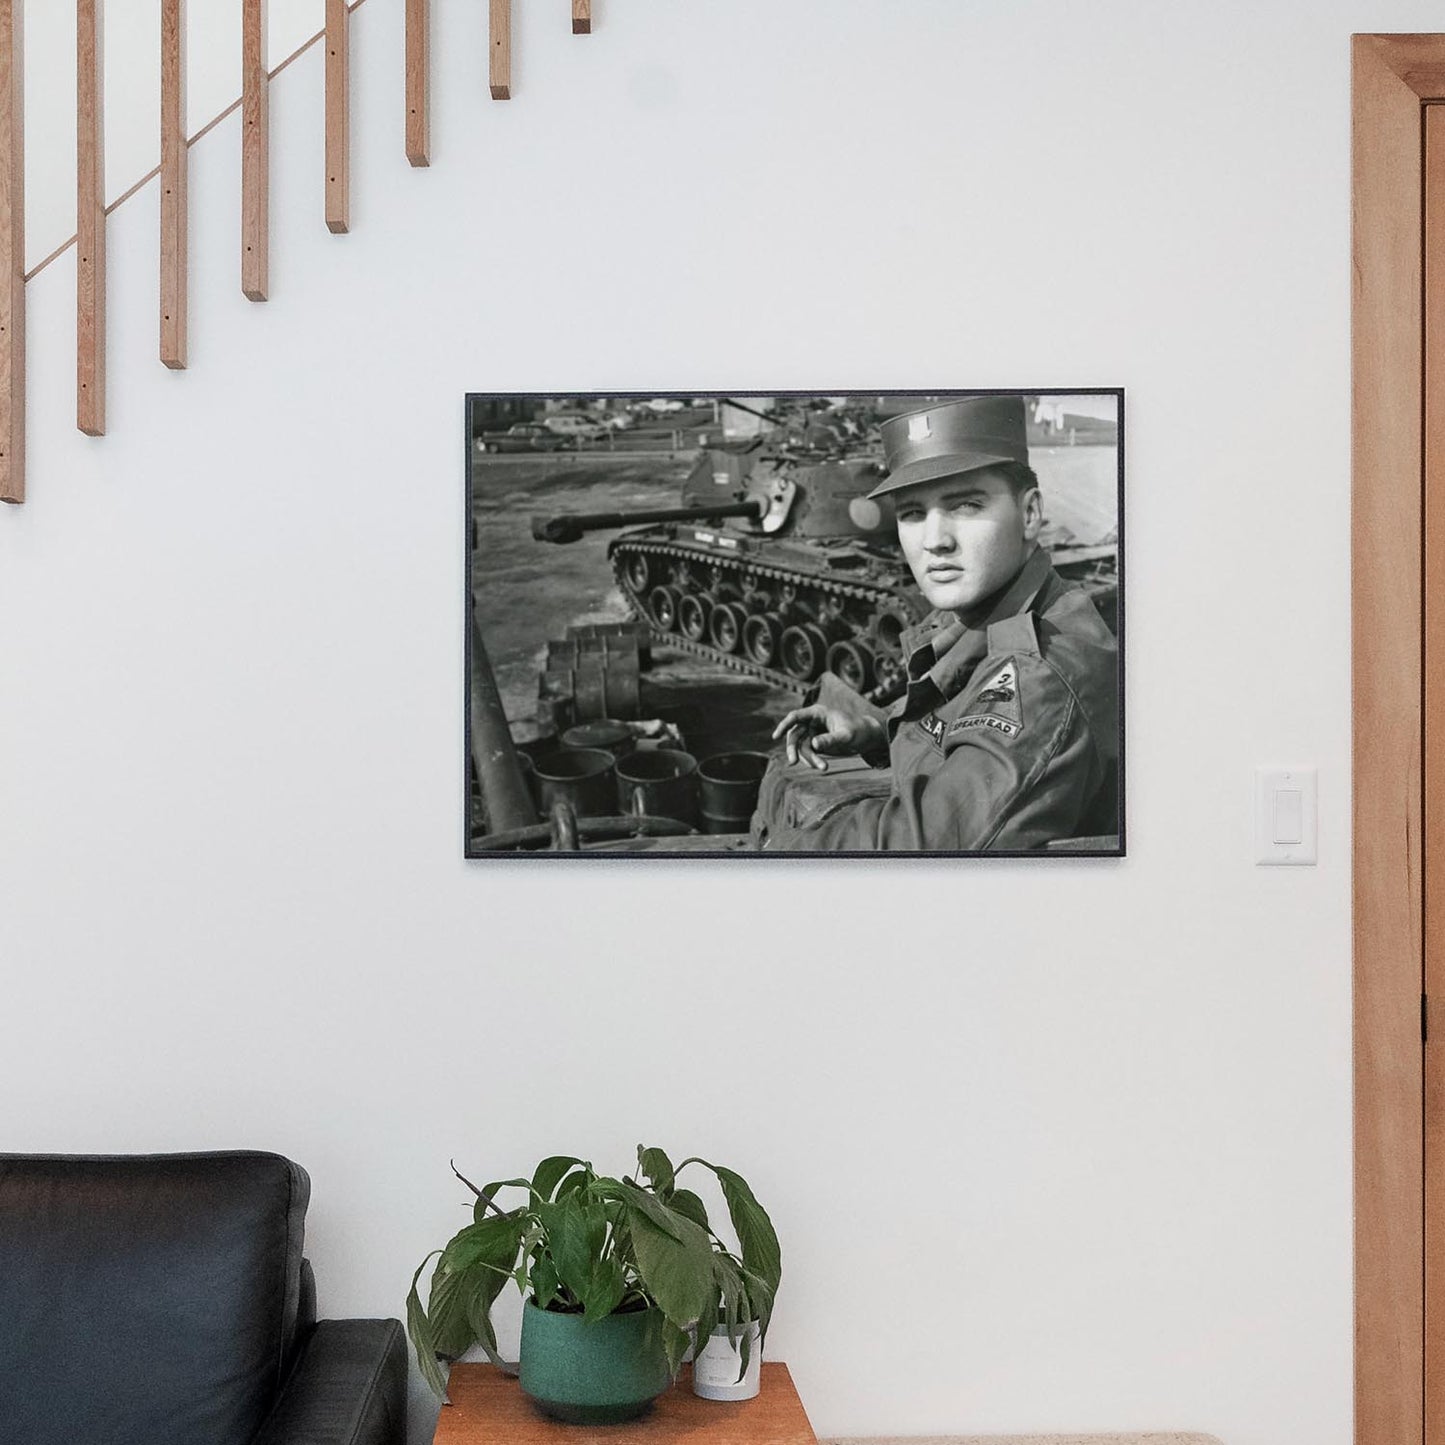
(791, 623)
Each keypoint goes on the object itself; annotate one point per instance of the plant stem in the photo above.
(485, 1198)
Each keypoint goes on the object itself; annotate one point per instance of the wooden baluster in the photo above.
(12, 253)
(582, 17)
(338, 116)
(501, 49)
(90, 221)
(418, 82)
(255, 154)
(174, 237)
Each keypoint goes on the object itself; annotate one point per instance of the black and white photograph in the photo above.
(780, 624)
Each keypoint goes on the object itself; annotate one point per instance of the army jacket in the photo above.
(1007, 735)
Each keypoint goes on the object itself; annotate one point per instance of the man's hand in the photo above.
(826, 728)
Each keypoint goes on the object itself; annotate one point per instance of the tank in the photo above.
(777, 563)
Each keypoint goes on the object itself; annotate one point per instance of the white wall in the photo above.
(1058, 1146)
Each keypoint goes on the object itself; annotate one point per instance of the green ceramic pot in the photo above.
(592, 1374)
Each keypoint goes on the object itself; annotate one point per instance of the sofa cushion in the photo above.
(146, 1299)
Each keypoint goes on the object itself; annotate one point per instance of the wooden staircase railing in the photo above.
(91, 209)
(12, 254)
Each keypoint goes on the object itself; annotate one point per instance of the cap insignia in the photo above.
(919, 429)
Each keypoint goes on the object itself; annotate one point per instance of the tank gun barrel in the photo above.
(573, 528)
(751, 410)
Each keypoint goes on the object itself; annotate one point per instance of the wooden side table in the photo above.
(489, 1408)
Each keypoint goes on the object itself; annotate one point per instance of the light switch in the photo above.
(1288, 816)
(1285, 815)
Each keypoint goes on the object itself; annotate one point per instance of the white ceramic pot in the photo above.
(716, 1368)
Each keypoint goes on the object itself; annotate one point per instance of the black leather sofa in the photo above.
(163, 1300)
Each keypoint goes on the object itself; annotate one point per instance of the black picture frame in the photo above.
(580, 456)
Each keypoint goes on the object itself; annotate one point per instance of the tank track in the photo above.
(723, 567)
(724, 659)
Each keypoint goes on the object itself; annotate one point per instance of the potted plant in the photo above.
(614, 1273)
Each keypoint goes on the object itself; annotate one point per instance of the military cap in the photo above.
(952, 437)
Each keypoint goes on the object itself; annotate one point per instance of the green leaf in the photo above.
(484, 1208)
(738, 1307)
(576, 1180)
(479, 1312)
(595, 1217)
(460, 1310)
(638, 1199)
(544, 1281)
(687, 1204)
(706, 1324)
(675, 1267)
(604, 1289)
(657, 1169)
(734, 1298)
(568, 1243)
(759, 1241)
(494, 1240)
(674, 1343)
(622, 1250)
(447, 1311)
(550, 1173)
(473, 1268)
(419, 1328)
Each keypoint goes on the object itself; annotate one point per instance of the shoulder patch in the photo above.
(1003, 686)
(934, 726)
(986, 720)
(996, 705)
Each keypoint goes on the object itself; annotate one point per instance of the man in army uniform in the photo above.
(1007, 735)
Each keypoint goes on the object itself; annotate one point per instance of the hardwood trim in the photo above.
(1391, 76)
(90, 220)
(1416, 60)
(500, 49)
(12, 251)
(174, 231)
(418, 82)
(338, 117)
(1433, 502)
(581, 17)
(255, 154)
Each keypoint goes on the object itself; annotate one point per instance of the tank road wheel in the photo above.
(853, 663)
(886, 633)
(892, 680)
(761, 637)
(637, 572)
(804, 650)
(728, 622)
(694, 612)
(662, 607)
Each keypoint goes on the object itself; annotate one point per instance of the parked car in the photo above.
(574, 425)
(525, 436)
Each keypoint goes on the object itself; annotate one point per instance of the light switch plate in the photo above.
(1286, 816)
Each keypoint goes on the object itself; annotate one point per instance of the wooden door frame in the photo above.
(1393, 77)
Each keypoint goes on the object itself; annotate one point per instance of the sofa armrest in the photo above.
(348, 1388)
